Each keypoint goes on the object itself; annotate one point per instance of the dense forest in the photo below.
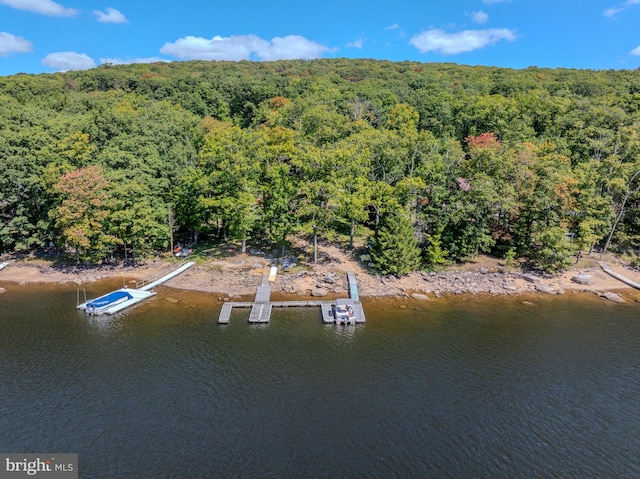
(427, 163)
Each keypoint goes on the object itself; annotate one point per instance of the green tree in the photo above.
(593, 208)
(186, 196)
(274, 149)
(394, 249)
(435, 255)
(228, 188)
(138, 219)
(550, 249)
(351, 160)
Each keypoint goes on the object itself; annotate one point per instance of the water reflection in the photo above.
(104, 324)
(345, 332)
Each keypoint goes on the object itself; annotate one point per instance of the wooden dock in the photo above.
(262, 306)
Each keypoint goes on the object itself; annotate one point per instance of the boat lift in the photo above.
(123, 298)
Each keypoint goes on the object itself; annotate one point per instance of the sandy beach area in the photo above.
(238, 275)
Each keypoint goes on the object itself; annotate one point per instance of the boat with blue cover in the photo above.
(99, 305)
(120, 299)
(115, 301)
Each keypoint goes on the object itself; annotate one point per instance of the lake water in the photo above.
(453, 388)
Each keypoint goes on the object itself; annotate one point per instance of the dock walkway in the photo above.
(353, 286)
(262, 306)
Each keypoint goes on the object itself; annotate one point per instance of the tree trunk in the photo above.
(352, 232)
(377, 222)
(244, 245)
(171, 221)
(615, 224)
(315, 247)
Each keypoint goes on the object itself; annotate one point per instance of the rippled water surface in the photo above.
(460, 388)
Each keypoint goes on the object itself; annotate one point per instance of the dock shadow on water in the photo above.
(497, 387)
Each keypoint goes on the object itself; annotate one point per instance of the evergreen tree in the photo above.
(435, 255)
(395, 249)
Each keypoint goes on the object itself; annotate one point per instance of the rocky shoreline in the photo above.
(240, 277)
(427, 286)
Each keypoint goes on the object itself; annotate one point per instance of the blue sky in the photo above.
(47, 36)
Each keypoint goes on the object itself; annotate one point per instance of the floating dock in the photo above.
(262, 306)
(123, 298)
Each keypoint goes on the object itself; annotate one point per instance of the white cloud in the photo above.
(45, 7)
(610, 12)
(479, 17)
(64, 61)
(395, 26)
(454, 43)
(357, 44)
(13, 44)
(111, 15)
(635, 51)
(128, 61)
(242, 47)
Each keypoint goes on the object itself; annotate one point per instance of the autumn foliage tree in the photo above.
(82, 212)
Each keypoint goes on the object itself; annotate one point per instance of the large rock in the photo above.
(531, 278)
(582, 278)
(545, 288)
(2, 290)
(422, 297)
(320, 292)
(616, 298)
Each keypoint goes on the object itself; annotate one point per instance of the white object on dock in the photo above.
(272, 273)
(3, 265)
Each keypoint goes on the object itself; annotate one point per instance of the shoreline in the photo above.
(240, 275)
